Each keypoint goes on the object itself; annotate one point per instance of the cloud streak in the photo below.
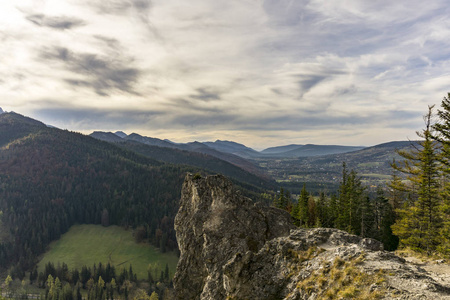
(60, 23)
(102, 74)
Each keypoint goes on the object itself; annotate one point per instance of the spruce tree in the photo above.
(321, 211)
(397, 188)
(302, 214)
(294, 214)
(419, 224)
(350, 199)
(281, 201)
(442, 135)
(312, 220)
(368, 216)
(384, 218)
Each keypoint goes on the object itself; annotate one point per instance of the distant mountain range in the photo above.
(373, 165)
(319, 166)
(168, 151)
(230, 147)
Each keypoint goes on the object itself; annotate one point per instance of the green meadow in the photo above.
(89, 244)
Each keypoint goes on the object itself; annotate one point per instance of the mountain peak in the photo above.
(1, 111)
(121, 134)
(12, 117)
(106, 136)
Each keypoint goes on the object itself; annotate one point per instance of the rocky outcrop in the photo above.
(213, 224)
(232, 248)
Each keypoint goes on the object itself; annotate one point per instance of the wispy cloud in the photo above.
(102, 74)
(55, 22)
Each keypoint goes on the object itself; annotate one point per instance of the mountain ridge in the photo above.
(237, 149)
(171, 152)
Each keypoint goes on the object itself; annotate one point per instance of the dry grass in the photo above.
(424, 257)
(343, 280)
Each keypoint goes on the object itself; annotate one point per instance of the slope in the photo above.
(203, 160)
(106, 136)
(308, 150)
(233, 148)
(51, 179)
(177, 153)
(280, 149)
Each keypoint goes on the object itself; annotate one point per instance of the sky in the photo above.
(258, 72)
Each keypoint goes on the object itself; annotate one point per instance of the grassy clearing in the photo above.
(89, 244)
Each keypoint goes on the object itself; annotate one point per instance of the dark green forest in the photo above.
(51, 179)
(200, 160)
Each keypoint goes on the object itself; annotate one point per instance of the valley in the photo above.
(78, 200)
(319, 167)
(373, 165)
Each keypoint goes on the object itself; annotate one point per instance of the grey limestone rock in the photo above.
(214, 224)
(232, 248)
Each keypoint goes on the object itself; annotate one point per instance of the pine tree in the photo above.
(280, 201)
(384, 218)
(302, 212)
(312, 212)
(351, 195)
(419, 225)
(397, 189)
(442, 135)
(321, 211)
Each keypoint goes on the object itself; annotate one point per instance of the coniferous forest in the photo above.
(51, 179)
(412, 210)
(352, 208)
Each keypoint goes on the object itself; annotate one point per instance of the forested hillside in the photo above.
(201, 160)
(202, 155)
(51, 179)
